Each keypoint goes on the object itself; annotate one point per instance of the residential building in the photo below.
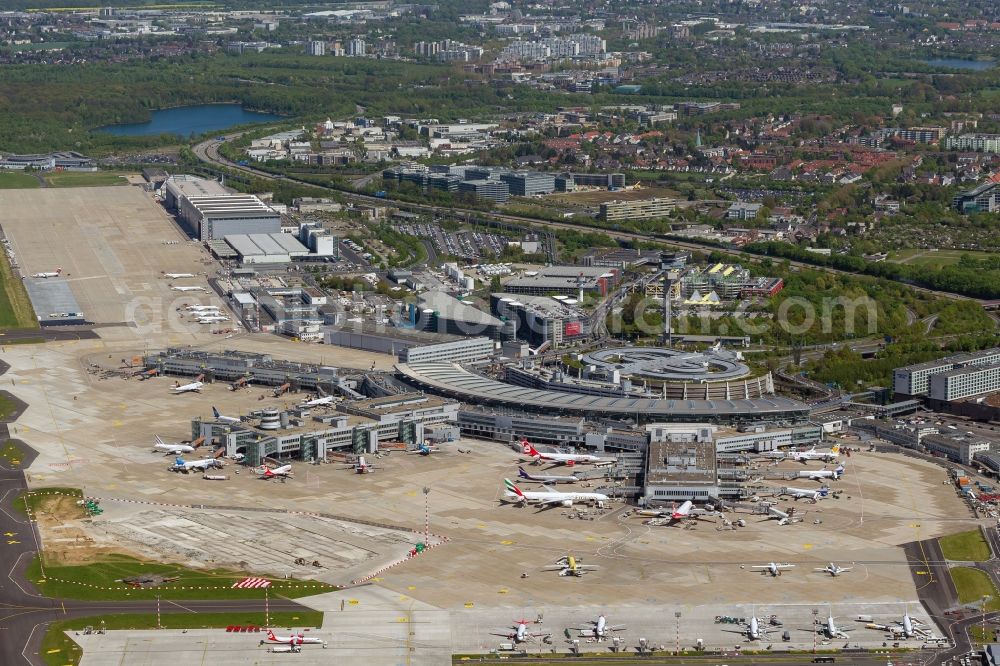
(743, 211)
(637, 209)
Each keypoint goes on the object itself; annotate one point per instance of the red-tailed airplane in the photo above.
(564, 458)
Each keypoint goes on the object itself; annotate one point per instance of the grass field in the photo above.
(972, 585)
(966, 547)
(596, 197)
(15, 180)
(84, 179)
(99, 581)
(33, 499)
(58, 649)
(934, 258)
(10, 453)
(15, 307)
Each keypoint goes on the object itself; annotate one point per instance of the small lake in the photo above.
(958, 63)
(187, 120)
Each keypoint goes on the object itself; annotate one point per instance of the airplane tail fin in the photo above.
(522, 474)
(156, 439)
(179, 461)
(215, 412)
(824, 491)
(512, 488)
(839, 471)
(835, 450)
(270, 635)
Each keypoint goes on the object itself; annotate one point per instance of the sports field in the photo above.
(934, 258)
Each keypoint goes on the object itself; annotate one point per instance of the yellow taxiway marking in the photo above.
(353, 602)
(469, 604)
(807, 546)
(10, 534)
(411, 587)
(507, 543)
(12, 541)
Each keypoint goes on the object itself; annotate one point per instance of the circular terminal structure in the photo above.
(668, 365)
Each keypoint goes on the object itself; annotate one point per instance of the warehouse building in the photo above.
(640, 209)
(915, 379)
(212, 217)
(180, 186)
(273, 248)
(957, 448)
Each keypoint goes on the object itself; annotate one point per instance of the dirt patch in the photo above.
(62, 524)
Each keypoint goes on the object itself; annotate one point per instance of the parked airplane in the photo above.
(518, 632)
(424, 449)
(202, 308)
(52, 274)
(193, 386)
(564, 458)
(545, 478)
(753, 629)
(224, 419)
(283, 471)
(907, 627)
(171, 449)
(820, 474)
(211, 318)
(178, 276)
(774, 455)
(362, 466)
(570, 566)
(830, 629)
(833, 569)
(180, 465)
(826, 456)
(599, 628)
(321, 399)
(804, 493)
(550, 497)
(294, 639)
(772, 568)
(176, 288)
(783, 517)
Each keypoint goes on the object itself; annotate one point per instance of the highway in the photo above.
(208, 152)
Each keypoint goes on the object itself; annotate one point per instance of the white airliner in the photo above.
(833, 569)
(752, 629)
(322, 399)
(564, 458)
(907, 627)
(826, 456)
(518, 632)
(221, 418)
(208, 317)
(570, 566)
(178, 276)
(52, 274)
(180, 465)
(820, 474)
(176, 288)
(773, 568)
(804, 493)
(171, 448)
(783, 517)
(202, 308)
(283, 471)
(193, 386)
(294, 639)
(550, 497)
(599, 628)
(362, 466)
(831, 630)
(545, 478)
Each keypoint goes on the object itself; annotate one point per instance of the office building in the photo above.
(964, 382)
(915, 379)
(443, 313)
(743, 211)
(529, 183)
(496, 191)
(638, 209)
(564, 280)
(982, 199)
(540, 319)
(454, 351)
(316, 48)
(682, 466)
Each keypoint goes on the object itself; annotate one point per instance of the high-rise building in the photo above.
(356, 47)
(316, 48)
